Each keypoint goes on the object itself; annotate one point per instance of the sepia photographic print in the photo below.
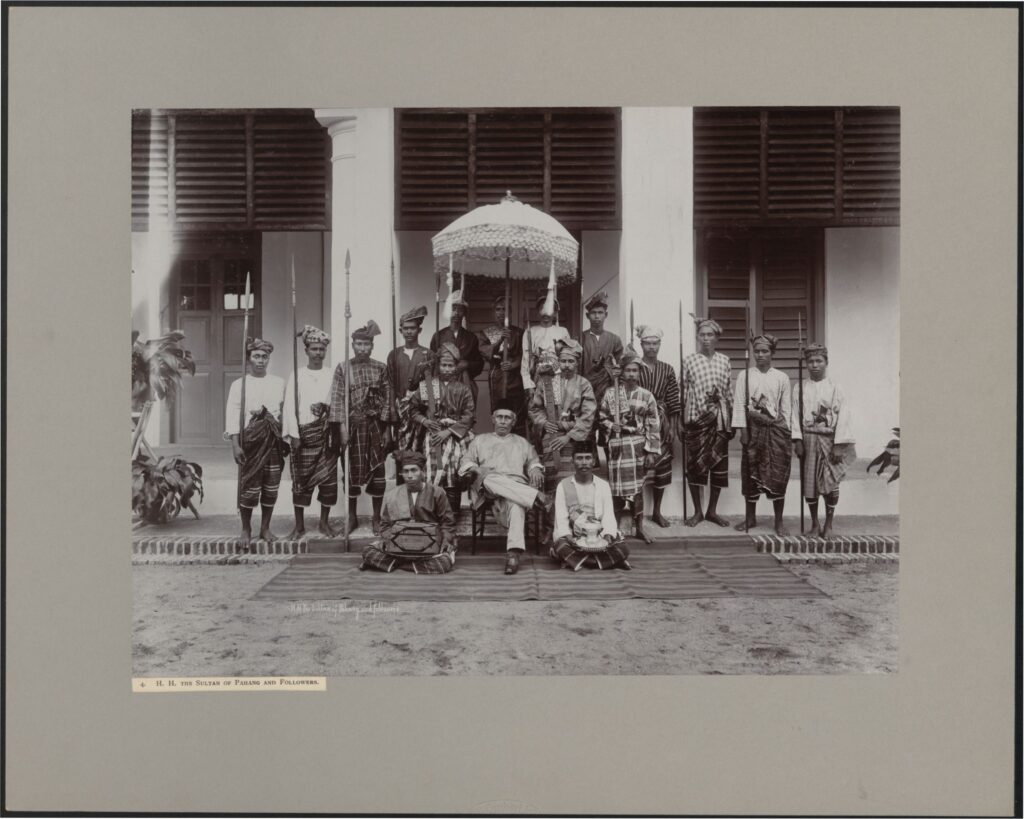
(464, 391)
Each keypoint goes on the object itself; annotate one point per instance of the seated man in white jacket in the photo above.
(586, 529)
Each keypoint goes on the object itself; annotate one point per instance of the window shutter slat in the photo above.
(209, 160)
(871, 164)
(290, 183)
(150, 174)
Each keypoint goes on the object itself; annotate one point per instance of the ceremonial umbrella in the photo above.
(510, 231)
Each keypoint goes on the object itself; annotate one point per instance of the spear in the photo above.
(245, 366)
(631, 342)
(437, 301)
(682, 393)
(800, 420)
(746, 397)
(348, 381)
(394, 306)
(295, 353)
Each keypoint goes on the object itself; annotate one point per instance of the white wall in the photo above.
(152, 259)
(279, 249)
(862, 327)
(656, 256)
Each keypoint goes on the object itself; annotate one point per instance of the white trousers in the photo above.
(513, 500)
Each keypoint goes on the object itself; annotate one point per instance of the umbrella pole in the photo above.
(508, 306)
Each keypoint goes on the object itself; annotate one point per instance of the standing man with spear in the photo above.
(253, 425)
(800, 414)
(707, 419)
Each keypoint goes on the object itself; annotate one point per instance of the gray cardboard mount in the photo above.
(934, 738)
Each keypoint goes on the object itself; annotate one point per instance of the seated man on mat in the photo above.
(586, 529)
(505, 469)
(412, 508)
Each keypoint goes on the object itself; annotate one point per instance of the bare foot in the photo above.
(245, 541)
(352, 524)
(327, 530)
(781, 530)
(694, 519)
(716, 518)
(745, 525)
(268, 536)
(296, 534)
(376, 526)
(825, 531)
(638, 531)
(660, 520)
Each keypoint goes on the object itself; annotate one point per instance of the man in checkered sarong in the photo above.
(629, 417)
(562, 414)
(258, 450)
(660, 380)
(707, 417)
(601, 351)
(314, 466)
(417, 525)
(367, 431)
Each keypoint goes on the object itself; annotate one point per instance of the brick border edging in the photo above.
(212, 550)
(837, 549)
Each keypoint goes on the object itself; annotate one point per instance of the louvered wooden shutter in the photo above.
(871, 165)
(564, 161)
(727, 272)
(433, 163)
(210, 169)
(796, 166)
(150, 180)
(727, 165)
(584, 169)
(290, 183)
(787, 268)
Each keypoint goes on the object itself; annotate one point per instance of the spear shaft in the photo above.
(800, 407)
(245, 367)
(746, 400)
(682, 403)
(295, 354)
(348, 389)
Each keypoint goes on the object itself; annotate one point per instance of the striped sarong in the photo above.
(313, 466)
(260, 476)
(768, 457)
(820, 475)
(566, 553)
(707, 451)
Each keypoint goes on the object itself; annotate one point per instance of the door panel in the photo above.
(197, 336)
(194, 411)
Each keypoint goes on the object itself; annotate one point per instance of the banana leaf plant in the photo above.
(157, 366)
(162, 487)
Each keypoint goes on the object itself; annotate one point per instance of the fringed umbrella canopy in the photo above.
(509, 230)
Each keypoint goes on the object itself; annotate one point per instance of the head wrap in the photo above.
(716, 328)
(599, 299)
(582, 448)
(645, 331)
(768, 339)
(417, 314)
(259, 344)
(410, 457)
(506, 404)
(629, 356)
(366, 333)
(500, 299)
(449, 349)
(457, 299)
(540, 305)
(572, 347)
(311, 335)
(816, 349)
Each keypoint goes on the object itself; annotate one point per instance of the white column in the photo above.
(362, 217)
(656, 261)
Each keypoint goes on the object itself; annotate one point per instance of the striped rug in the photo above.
(671, 573)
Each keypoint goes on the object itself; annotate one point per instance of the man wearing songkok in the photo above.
(258, 448)
(767, 442)
(471, 363)
(505, 469)
(440, 412)
(314, 465)
(707, 421)
(824, 439)
(541, 343)
(402, 361)
(629, 417)
(367, 430)
(497, 343)
(660, 380)
(586, 531)
(562, 413)
(415, 518)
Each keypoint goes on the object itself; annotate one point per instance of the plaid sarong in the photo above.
(626, 464)
(261, 474)
(387, 553)
(820, 475)
(366, 454)
(767, 459)
(312, 466)
(706, 447)
(566, 553)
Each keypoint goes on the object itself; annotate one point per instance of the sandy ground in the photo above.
(195, 620)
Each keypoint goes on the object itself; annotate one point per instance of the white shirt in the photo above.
(539, 338)
(314, 388)
(604, 511)
(267, 391)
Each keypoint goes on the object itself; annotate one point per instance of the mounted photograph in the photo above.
(515, 391)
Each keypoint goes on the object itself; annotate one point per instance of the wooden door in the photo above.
(208, 286)
(772, 276)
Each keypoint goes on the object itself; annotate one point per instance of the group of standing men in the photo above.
(556, 403)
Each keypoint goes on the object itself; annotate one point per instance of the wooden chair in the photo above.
(485, 513)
